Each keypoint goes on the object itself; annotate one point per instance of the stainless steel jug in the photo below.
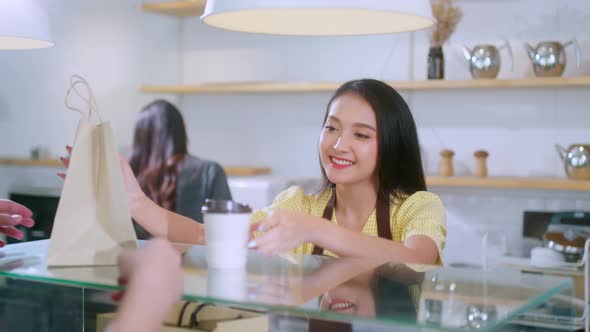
(484, 60)
(576, 160)
(549, 58)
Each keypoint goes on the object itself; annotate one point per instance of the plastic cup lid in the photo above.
(224, 206)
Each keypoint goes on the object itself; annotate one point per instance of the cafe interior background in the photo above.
(123, 50)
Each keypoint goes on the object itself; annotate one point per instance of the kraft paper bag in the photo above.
(92, 223)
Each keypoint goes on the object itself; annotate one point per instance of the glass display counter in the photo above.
(313, 288)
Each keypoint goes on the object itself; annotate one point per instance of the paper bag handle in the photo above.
(76, 80)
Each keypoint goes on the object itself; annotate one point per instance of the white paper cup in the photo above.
(227, 226)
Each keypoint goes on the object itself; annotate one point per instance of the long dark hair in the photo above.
(399, 165)
(159, 146)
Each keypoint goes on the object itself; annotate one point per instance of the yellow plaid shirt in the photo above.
(422, 213)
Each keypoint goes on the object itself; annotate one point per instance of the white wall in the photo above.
(117, 48)
(110, 43)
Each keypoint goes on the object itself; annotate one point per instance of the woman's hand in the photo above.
(13, 214)
(282, 231)
(153, 275)
(135, 195)
(65, 161)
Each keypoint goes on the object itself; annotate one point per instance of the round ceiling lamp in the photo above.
(319, 17)
(23, 25)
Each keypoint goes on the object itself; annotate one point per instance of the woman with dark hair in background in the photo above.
(166, 173)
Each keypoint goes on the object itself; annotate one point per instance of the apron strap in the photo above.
(328, 212)
(383, 213)
(383, 226)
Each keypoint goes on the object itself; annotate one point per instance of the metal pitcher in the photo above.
(549, 58)
(484, 60)
(576, 160)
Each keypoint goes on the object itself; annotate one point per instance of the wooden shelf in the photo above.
(245, 171)
(508, 183)
(229, 170)
(30, 162)
(176, 8)
(276, 87)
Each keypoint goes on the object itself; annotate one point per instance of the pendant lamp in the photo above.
(23, 25)
(319, 17)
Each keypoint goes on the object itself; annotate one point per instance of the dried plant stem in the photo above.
(447, 17)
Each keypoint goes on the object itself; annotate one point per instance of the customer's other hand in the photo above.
(154, 271)
(153, 276)
(11, 215)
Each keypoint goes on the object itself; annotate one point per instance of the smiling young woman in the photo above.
(374, 201)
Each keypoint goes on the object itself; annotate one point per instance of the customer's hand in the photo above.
(13, 214)
(134, 192)
(153, 276)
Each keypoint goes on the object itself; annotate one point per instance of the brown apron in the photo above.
(383, 227)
